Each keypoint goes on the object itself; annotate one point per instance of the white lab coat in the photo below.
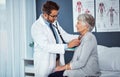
(45, 47)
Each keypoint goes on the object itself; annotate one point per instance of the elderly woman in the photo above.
(85, 59)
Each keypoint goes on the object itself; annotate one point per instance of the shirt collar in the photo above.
(46, 22)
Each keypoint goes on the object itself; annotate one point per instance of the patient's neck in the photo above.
(84, 32)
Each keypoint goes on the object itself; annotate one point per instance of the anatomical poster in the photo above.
(81, 6)
(107, 15)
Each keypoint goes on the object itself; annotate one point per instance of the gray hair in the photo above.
(87, 19)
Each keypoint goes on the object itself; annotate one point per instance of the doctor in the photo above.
(48, 43)
(85, 59)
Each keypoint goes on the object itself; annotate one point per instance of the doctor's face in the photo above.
(52, 16)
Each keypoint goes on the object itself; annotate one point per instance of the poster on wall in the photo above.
(107, 16)
(81, 6)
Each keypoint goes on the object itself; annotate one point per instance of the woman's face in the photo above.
(81, 27)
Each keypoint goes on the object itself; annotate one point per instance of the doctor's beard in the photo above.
(51, 20)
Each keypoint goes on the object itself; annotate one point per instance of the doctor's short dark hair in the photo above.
(48, 6)
(87, 19)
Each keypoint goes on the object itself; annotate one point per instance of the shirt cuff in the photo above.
(65, 46)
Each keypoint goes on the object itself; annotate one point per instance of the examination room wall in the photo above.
(66, 21)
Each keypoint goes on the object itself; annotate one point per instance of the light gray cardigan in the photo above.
(85, 58)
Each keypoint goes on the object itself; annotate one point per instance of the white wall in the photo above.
(16, 18)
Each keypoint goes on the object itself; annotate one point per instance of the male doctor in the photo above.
(49, 42)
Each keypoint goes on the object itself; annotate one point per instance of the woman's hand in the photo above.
(61, 68)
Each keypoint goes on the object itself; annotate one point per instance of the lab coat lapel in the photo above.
(47, 30)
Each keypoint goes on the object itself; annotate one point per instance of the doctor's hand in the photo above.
(73, 43)
(59, 68)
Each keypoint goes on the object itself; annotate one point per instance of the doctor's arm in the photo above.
(66, 36)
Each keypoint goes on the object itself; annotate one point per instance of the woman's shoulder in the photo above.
(89, 36)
